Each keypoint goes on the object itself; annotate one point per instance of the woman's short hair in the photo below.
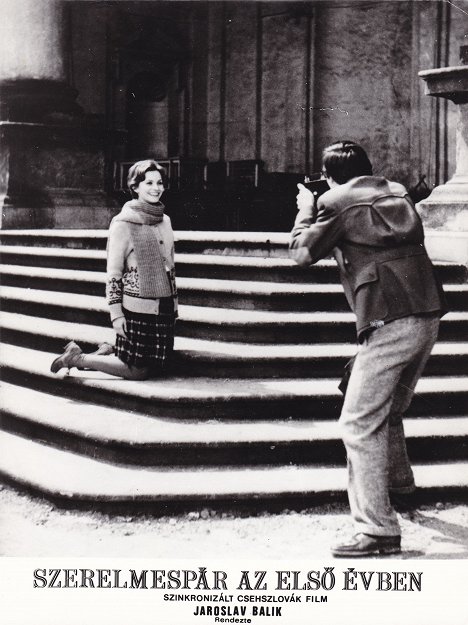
(137, 173)
(344, 160)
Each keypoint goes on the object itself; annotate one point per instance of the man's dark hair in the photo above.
(344, 160)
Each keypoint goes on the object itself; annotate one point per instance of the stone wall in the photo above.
(439, 29)
(274, 81)
(283, 79)
(363, 81)
(258, 70)
(277, 81)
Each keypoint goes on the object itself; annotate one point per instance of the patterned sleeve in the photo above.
(117, 245)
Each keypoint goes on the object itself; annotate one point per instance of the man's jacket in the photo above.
(371, 226)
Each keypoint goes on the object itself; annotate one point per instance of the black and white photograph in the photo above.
(234, 312)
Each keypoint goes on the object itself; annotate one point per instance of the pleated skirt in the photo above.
(149, 342)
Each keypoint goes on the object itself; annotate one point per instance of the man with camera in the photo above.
(371, 226)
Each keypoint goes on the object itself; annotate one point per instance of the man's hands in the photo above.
(120, 326)
(305, 198)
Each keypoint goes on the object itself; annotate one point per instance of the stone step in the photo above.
(214, 323)
(259, 244)
(220, 358)
(190, 265)
(53, 257)
(223, 267)
(193, 291)
(92, 239)
(183, 397)
(130, 438)
(240, 295)
(263, 244)
(64, 476)
(187, 397)
(252, 411)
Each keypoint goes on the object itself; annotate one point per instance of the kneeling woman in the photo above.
(140, 288)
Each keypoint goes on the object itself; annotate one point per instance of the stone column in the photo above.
(51, 157)
(445, 211)
(32, 40)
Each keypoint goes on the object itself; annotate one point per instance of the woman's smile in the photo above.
(151, 188)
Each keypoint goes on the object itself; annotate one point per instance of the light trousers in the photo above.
(387, 367)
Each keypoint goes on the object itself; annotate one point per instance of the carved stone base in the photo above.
(37, 101)
(447, 206)
(63, 208)
(443, 245)
(52, 176)
(445, 217)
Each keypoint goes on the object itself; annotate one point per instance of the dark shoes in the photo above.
(104, 349)
(71, 357)
(366, 545)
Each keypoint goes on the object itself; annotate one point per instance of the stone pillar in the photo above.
(445, 211)
(51, 157)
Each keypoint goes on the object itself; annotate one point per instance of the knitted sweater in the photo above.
(123, 285)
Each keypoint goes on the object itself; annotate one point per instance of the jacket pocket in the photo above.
(370, 305)
(366, 276)
(410, 286)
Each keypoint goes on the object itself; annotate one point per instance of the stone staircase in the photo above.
(249, 411)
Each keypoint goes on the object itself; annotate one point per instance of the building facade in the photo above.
(238, 98)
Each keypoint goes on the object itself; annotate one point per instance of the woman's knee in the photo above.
(137, 373)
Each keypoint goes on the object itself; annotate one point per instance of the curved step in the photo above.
(197, 321)
(121, 437)
(275, 398)
(93, 239)
(221, 358)
(288, 327)
(214, 323)
(260, 244)
(222, 267)
(177, 396)
(64, 476)
(65, 258)
(188, 265)
(243, 295)
(234, 243)
(252, 411)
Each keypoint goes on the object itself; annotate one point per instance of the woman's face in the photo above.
(151, 188)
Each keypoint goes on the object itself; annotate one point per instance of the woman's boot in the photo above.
(104, 349)
(71, 357)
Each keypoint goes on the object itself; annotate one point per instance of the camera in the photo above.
(317, 185)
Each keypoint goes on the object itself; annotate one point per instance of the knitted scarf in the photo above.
(142, 217)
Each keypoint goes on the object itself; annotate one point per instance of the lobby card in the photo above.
(109, 591)
(242, 587)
